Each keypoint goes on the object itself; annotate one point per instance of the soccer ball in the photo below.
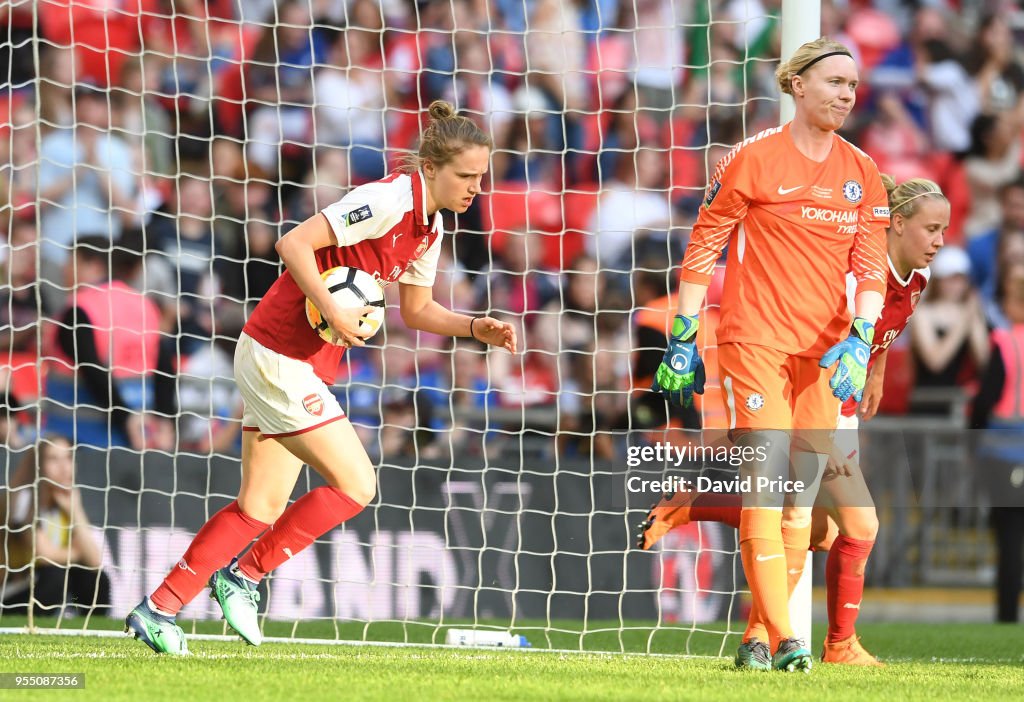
(350, 287)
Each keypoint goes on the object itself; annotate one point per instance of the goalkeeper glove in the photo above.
(852, 353)
(681, 372)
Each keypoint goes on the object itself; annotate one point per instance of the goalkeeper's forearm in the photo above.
(868, 305)
(691, 298)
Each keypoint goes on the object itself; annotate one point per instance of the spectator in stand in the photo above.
(997, 410)
(566, 324)
(997, 75)
(556, 51)
(108, 382)
(993, 161)
(210, 406)
(534, 158)
(103, 34)
(564, 329)
(184, 32)
(633, 206)
(14, 424)
(140, 116)
(86, 187)
(57, 78)
(982, 249)
(659, 51)
(953, 102)
(894, 140)
(948, 331)
(246, 220)
(441, 21)
(279, 85)
(349, 94)
(19, 161)
(600, 375)
(516, 286)
(480, 92)
(326, 183)
(42, 516)
(407, 415)
(1009, 253)
(19, 312)
(183, 240)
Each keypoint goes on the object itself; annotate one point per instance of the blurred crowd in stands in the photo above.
(160, 147)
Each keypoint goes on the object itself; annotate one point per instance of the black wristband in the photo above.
(471, 323)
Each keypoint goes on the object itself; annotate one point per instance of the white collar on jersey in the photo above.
(896, 274)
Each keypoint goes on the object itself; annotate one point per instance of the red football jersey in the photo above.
(382, 228)
(901, 297)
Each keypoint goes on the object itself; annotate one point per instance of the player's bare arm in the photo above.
(421, 312)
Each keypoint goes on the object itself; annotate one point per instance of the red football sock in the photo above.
(309, 517)
(717, 507)
(220, 540)
(844, 580)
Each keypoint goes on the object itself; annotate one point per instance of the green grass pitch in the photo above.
(934, 662)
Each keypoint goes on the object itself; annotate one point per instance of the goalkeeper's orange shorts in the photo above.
(767, 389)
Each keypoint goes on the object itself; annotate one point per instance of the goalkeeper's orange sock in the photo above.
(755, 625)
(309, 517)
(844, 580)
(764, 563)
(220, 540)
(797, 541)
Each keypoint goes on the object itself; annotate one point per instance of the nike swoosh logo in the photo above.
(762, 557)
(795, 571)
(850, 605)
(787, 191)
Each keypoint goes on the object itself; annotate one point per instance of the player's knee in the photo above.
(862, 525)
(796, 518)
(359, 485)
(262, 508)
(363, 492)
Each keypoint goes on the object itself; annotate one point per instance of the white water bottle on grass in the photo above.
(476, 637)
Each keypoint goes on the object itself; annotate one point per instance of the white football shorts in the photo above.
(283, 396)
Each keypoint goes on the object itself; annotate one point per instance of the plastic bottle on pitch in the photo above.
(476, 637)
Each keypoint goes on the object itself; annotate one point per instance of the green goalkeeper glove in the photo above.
(681, 372)
(852, 353)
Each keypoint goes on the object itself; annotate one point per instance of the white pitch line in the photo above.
(107, 634)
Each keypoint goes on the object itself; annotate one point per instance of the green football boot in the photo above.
(754, 655)
(238, 600)
(156, 630)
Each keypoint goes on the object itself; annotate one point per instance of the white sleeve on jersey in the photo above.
(423, 270)
(369, 211)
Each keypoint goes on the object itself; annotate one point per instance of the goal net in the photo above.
(163, 146)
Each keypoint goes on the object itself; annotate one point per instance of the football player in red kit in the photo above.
(392, 229)
(919, 218)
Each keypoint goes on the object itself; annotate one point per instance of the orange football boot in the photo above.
(667, 514)
(849, 652)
